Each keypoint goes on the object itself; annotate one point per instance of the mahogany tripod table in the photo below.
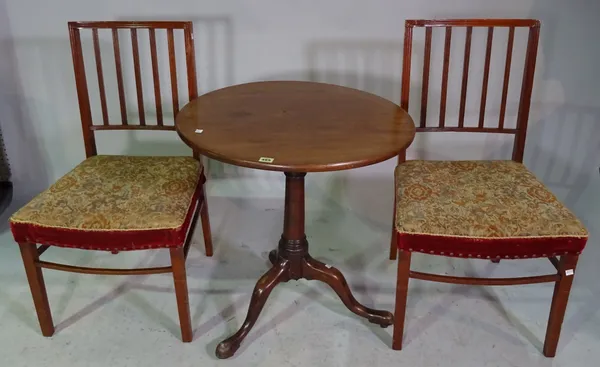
(295, 127)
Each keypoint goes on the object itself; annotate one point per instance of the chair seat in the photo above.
(482, 209)
(115, 203)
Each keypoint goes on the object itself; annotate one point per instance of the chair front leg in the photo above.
(401, 298)
(30, 256)
(181, 292)
(560, 298)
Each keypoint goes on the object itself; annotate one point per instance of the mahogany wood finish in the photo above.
(116, 27)
(155, 77)
(560, 298)
(507, 64)
(30, 256)
(42, 249)
(181, 292)
(29, 251)
(98, 57)
(498, 22)
(486, 76)
(426, 63)
(555, 262)
(173, 69)
(526, 87)
(33, 267)
(401, 296)
(138, 76)
(444, 91)
(484, 281)
(465, 78)
(563, 279)
(120, 86)
(88, 126)
(103, 271)
(304, 127)
(128, 127)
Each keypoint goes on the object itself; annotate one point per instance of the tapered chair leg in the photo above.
(562, 288)
(181, 292)
(206, 225)
(401, 298)
(38, 288)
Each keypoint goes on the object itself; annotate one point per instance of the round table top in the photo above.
(295, 126)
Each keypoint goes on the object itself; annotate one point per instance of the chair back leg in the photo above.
(394, 242)
(206, 224)
(35, 277)
(562, 288)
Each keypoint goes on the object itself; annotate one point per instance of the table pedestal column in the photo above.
(291, 260)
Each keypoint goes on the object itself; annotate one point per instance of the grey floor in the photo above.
(132, 321)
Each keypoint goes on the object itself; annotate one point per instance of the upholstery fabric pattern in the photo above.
(481, 208)
(127, 201)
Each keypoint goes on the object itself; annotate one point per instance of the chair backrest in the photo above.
(88, 125)
(522, 117)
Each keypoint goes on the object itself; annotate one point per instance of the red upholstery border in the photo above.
(492, 248)
(110, 240)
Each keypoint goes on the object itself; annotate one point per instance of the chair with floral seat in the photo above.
(480, 209)
(113, 202)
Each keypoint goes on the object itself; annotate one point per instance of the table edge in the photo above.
(297, 168)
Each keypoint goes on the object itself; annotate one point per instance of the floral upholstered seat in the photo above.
(115, 203)
(482, 209)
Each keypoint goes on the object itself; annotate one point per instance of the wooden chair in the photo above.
(119, 203)
(480, 209)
